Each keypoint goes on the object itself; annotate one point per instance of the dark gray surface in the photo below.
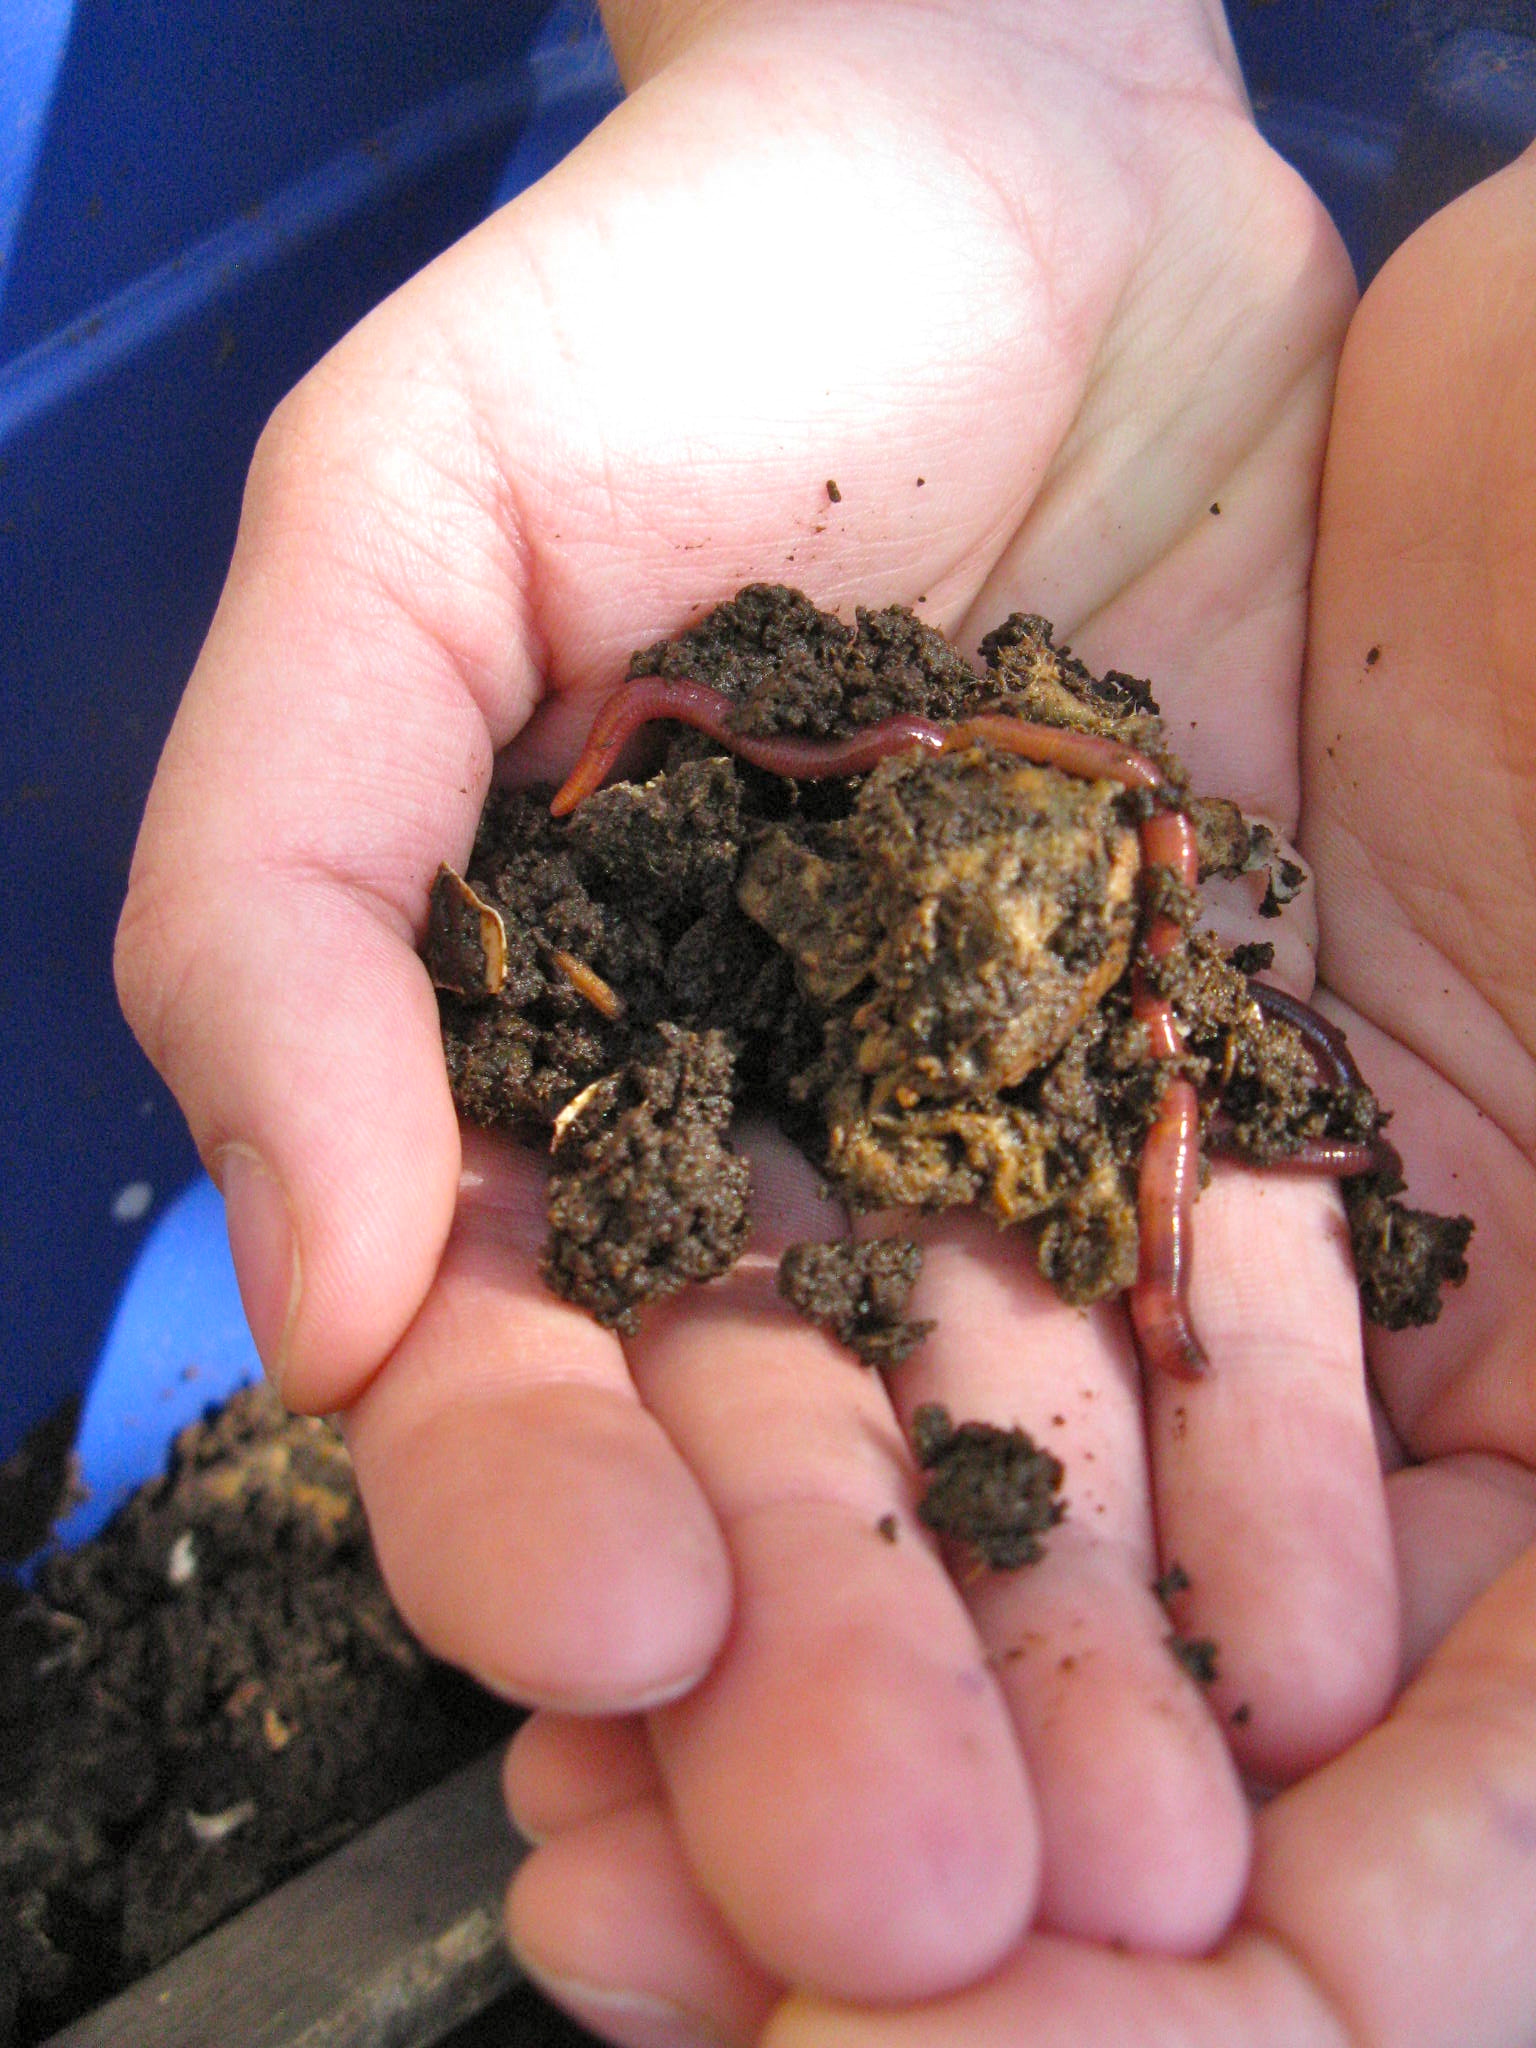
(520, 2018)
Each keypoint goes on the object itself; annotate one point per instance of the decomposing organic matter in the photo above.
(970, 972)
(941, 923)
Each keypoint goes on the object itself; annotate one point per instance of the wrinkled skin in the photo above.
(1115, 311)
(1391, 1899)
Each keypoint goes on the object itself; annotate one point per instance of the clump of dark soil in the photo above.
(859, 1292)
(991, 1490)
(644, 1193)
(1403, 1256)
(210, 1695)
(922, 972)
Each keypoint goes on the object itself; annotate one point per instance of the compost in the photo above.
(954, 971)
(211, 1694)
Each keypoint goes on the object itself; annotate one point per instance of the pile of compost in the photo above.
(925, 972)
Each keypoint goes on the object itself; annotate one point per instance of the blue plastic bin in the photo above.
(195, 201)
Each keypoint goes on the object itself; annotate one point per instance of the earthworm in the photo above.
(1332, 1158)
(1168, 1175)
(709, 711)
(1167, 1181)
(1335, 1067)
(1331, 1056)
(588, 983)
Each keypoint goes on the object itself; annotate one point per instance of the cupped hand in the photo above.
(1029, 288)
(1393, 1897)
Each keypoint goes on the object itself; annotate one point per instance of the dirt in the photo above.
(210, 1695)
(645, 1195)
(991, 1490)
(924, 972)
(859, 1292)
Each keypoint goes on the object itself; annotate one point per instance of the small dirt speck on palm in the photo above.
(992, 1490)
(1196, 1655)
(859, 1292)
(1171, 1583)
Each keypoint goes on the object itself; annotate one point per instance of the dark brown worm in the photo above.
(1327, 1158)
(1331, 1056)
(1336, 1069)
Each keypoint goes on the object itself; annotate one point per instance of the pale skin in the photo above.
(1047, 266)
(1391, 1900)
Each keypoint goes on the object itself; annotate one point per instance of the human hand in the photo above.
(1047, 268)
(1392, 1899)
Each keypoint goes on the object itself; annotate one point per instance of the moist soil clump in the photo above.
(991, 1490)
(211, 1694)
(925, 972)
(644, 1193)
(859, 1292)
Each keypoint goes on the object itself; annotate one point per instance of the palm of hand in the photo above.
(1120, 421)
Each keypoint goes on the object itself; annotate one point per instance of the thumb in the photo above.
(328, 753)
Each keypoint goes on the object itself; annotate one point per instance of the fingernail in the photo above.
(634, 2019)
(261, 1240)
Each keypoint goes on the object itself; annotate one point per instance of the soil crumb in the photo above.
(1196, 1655)
(1403, 1256)
(645, 1195)
(992, 1490)
(859, 1292)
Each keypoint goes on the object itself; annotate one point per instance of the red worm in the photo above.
(710, 711)
(1167, 1182)
(1332, 1158)
(1168, 1177)
(1335, 1065)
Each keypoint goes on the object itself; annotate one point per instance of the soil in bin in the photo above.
(208, 1696)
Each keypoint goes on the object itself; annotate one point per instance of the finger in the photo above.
(1061, 1994)
(1403, 1874)
(1392, 1903)
(1144, 1824)
(1457, 1523)
(329, 751)
(1269, 1491)
(608, 1922)
(531, 1519)
(563, 1770)
(846, 1782)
